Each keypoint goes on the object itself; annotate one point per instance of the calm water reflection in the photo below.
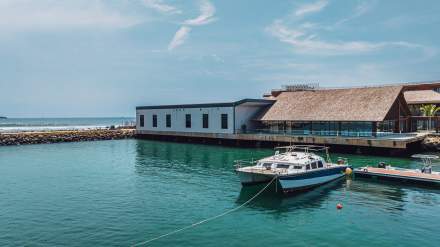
(116, 193)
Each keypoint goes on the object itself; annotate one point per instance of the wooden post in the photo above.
(374, 129)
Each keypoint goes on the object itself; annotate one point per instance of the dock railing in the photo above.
(360, 134)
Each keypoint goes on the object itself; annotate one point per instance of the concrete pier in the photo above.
(394, 143)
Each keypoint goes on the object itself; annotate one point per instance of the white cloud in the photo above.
(207, 12)
(304, 42)
(361, 9)
(162, 7)
(179, 38)
(310, 8)
(305, 39)
(19, 15)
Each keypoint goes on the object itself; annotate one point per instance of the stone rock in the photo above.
(63, 136)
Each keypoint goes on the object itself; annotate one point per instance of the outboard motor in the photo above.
(427, 169)
(381, 165)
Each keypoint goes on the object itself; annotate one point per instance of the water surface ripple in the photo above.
(118, 193)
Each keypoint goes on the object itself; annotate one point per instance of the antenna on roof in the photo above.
(301, 87)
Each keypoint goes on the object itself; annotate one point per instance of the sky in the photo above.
(87, 58)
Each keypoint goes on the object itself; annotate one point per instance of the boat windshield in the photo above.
(266, 165)
(283, 166)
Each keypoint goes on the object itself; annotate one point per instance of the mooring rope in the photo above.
(208, 219)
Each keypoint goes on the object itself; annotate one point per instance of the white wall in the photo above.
(178, 119)
(244, 114)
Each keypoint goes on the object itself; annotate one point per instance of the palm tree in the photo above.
(429, 111)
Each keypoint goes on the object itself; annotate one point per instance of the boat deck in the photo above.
(263, 171)
(404, 175)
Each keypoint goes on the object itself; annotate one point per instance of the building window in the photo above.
(188, 120)
(224, 121)
(205, 121)
(168, 120)
(141, 120)
(155, 121)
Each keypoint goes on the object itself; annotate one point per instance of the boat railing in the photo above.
(305, 148)
(244, 163)
(342, 161)
(427, 160)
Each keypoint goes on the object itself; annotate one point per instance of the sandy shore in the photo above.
(64, 136)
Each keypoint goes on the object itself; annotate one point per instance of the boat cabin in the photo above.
(292, 162)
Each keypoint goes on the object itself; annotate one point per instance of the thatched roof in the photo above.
(422, 97)
(350, 104)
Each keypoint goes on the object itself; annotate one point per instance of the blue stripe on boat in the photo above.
(314, 173)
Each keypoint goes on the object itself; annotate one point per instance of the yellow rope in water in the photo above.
(208, 219)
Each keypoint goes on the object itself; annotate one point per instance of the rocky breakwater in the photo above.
(431, 142)
(64, 136)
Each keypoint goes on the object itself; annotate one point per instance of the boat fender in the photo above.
(348, 171)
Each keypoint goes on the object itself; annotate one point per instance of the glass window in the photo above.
(267, 165)
(320, 165)
(141, 120)
(188, 120)
(314, 165)
(205, 121)
(154, 121)
(307, 167)
(168, 120)
(224, 121)
(283, 166)
(300, 128)
(297, 167)
(356, 128)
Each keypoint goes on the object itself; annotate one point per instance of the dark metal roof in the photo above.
(207, 105)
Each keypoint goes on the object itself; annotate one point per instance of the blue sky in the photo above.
(102, 58)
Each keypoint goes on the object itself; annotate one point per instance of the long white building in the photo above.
(215, 118)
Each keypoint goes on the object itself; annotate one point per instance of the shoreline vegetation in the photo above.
(59, 136)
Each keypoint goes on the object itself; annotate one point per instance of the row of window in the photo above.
(313, 165)
(205, 121)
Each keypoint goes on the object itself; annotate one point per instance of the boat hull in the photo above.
(248, 178)
(311, 179)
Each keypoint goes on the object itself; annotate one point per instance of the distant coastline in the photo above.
(3, 117)
(13, 125)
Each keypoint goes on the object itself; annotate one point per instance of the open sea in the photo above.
(122, 192)
(45, 124)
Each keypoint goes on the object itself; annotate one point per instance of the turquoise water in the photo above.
(42, 124)
(118, 193)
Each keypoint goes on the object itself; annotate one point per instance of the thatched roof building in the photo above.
(368, 104)
(422, 97)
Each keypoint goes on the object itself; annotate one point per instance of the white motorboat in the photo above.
(293, 167)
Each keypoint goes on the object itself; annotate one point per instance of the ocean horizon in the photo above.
(62, 123)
